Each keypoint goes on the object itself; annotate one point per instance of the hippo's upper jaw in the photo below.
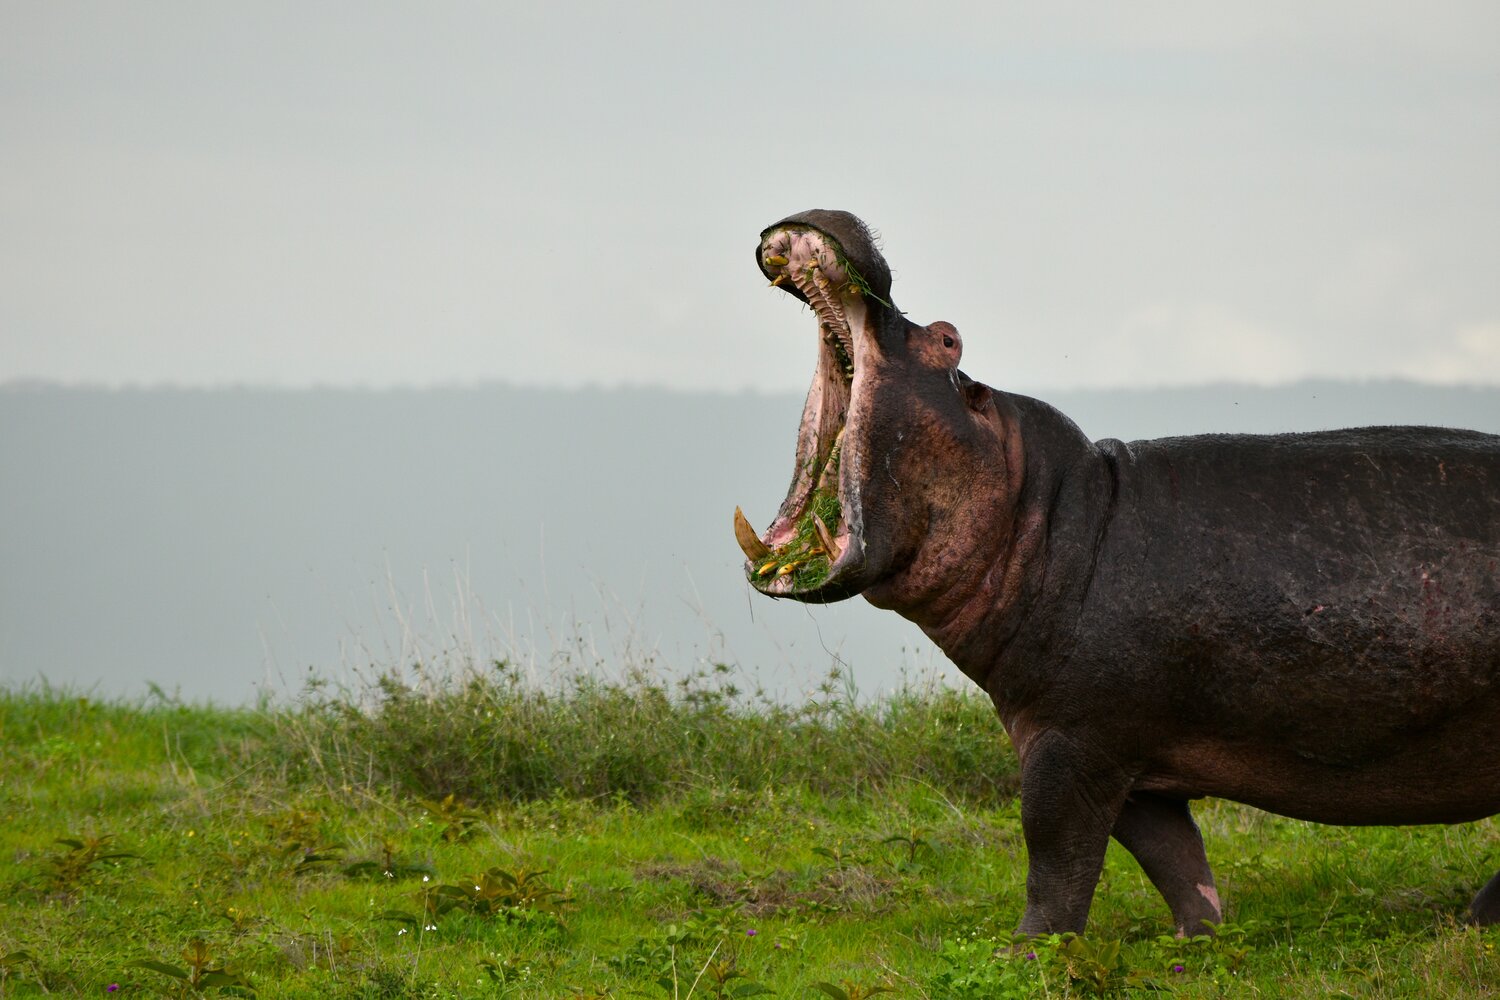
(814, 550)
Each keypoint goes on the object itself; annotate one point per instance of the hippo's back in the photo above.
(1344, 506)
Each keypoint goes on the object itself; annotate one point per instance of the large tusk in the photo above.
(826, 539)
(755, 550)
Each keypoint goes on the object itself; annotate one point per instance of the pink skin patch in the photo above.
(1211, 896)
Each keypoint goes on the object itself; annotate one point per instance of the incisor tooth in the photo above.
(755, 550)
(825, 538)
(776, 260)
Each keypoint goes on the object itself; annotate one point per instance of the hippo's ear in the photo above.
(976, 394)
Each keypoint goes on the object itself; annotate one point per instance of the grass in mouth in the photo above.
(802, 558)
(857, 280)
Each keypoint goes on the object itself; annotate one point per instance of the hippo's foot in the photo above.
(1486, 906)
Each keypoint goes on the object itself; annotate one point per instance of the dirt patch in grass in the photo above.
(718, 883)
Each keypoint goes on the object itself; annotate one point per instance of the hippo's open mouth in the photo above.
(810, 545)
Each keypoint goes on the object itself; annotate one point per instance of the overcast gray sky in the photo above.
(1096, 194)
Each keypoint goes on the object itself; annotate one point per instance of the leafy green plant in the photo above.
(522, 896)
(197, 977)
(1225, 951)
(992, 967)
(297, 834)
(657, 955)
(718, 977)
(457, 820)
(842, 855)
(849, 990)
(320, 860)
(1095, 964)
(913, 841)
(295, 831)
(498, 892)
(84, 858)
(516, 969)
(387, 866)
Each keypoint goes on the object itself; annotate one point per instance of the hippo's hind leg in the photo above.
(1162, 836)
(1486, 906)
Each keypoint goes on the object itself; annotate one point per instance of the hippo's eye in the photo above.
(947, 340)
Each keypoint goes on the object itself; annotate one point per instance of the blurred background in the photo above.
(336, 337)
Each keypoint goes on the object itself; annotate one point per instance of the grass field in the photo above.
(635, 837)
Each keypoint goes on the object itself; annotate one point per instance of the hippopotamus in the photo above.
(1307, 623)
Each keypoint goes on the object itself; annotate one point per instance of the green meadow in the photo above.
(487, 836)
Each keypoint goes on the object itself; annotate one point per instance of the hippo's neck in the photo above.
(1028, 592)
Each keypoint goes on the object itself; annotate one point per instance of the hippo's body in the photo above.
(1308, 623)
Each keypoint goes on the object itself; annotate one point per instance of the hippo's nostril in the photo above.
(947, 340)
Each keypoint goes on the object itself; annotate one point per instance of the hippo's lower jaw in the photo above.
(810, 552)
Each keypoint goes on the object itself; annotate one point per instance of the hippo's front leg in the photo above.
(1071, 797)
(1162, 836)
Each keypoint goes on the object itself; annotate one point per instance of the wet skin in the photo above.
(1308, 623)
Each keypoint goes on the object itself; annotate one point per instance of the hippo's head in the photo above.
(901, 458)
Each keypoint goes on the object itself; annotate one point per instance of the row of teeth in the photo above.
(767, 561)
(822, 296)
(813, 280)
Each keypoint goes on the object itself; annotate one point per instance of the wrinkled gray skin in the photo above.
(1308, 623)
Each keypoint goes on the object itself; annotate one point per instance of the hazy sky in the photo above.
(1096, 194)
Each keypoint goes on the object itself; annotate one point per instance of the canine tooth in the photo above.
(825, 538)
(755, 550)
(776, 260)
